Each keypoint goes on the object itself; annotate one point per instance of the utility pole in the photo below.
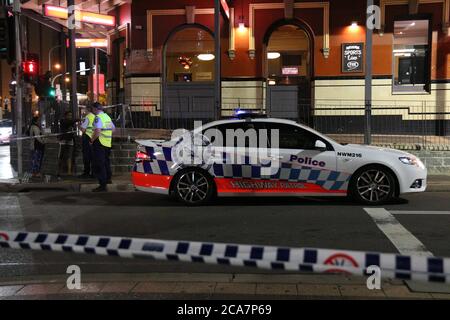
(50, 56)
(72, 59)
(19, 86)
(368, 81)
(217, 82)
(92, 73)
(97, 71)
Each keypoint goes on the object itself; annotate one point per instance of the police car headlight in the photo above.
(413, 161)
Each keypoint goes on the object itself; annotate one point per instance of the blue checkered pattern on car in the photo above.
(163, 164)
(431, 269)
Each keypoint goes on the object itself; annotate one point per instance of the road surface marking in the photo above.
(401, 238)
(418, 212)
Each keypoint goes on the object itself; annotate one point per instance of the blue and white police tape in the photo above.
(43, 136)
(419, 268)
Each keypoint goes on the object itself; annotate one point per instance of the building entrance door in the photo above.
(188, 82)
(288, 72)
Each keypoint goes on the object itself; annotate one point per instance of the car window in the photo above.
(294, 137)
(5, 124)
(237, 134)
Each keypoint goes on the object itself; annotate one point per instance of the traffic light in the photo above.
(51, 92)
(43, 86)
(7, 43)
(30, 68)
(12, 88)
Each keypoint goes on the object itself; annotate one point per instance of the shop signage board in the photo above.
(353, 57)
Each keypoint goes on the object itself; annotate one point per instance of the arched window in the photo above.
(189, 56)
(288, 56)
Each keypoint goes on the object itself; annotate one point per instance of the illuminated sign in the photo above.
(83, 16)
(101, 83)
(91, 43)
(289, 71)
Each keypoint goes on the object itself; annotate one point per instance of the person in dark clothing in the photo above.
(37, 147)
(88, 130)
(101, 142)
(66, 142)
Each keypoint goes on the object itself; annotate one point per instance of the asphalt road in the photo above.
(297, 222)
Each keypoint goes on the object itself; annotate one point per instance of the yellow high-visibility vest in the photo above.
(106, 130)
(90, 127)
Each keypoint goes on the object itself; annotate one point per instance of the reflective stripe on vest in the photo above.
(90, 126)
(106, 131)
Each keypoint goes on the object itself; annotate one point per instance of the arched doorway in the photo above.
(288, 63)
(188, 73)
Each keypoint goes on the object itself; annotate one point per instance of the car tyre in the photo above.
(373, 185)
(193, 187)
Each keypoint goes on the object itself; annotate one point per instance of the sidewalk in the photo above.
(122, 183)
(207, 286)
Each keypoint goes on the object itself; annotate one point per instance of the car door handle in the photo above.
(275, 158)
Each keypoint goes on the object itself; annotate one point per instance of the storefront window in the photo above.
(287, 56)
(411, 56)
(190, 56)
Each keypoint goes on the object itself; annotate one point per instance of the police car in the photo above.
(256, 156)
(5, 131)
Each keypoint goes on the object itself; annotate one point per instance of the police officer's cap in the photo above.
(97, 106)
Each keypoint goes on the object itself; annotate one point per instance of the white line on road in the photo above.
(418, 212)
(401, 238)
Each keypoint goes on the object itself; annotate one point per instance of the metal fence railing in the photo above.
(415, 122)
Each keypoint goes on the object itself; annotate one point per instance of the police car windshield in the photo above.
(6, 124)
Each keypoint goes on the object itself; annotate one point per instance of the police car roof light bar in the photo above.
(248, 114)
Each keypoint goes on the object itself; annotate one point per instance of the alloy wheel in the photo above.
(193, 187)
(373, 185)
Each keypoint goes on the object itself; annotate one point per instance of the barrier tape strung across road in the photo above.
(41, 136)
(419, 268)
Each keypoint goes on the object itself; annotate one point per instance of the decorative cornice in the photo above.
(325, 6)
(445, 11)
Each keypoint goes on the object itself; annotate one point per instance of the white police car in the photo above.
(252, 156)
(5, 131)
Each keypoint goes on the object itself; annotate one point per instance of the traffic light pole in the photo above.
(368, 83)
(73, 63)
(19, 86)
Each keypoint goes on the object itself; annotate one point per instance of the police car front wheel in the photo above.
(193, 187)
(373, 185)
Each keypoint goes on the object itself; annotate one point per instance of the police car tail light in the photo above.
(141, 154)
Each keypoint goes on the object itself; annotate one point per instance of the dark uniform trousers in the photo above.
(87, 155)
(102, 164)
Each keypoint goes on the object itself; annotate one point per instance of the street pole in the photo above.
(368, 81)
(217, 50)
(50, 56)
(92, 73)
(19, 85)
(72, 61)
(97, 83)
(63, 53)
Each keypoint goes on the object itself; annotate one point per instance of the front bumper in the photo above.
(4, 140)
(413, 180)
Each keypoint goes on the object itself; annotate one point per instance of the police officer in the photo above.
(101, 146)
(87, 127)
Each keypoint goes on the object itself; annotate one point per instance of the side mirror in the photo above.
(320, 145)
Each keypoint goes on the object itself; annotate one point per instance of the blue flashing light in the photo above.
(246, 113)
(240, 111)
